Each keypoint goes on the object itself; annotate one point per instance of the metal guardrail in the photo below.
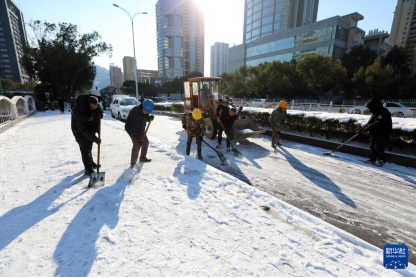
(346, 107)
(408, 102)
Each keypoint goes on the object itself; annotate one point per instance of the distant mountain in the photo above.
(102, 78)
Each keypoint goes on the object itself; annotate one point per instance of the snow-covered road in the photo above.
(375, 204)
(177, 215)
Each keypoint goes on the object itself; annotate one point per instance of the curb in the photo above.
(15, 122)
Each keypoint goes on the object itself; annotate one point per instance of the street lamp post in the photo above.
(134, 47)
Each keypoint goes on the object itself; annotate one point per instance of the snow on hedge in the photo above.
(406, 124)
(168, 104)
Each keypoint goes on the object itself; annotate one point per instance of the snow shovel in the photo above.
(97, 178)
(220, 155)
(144, 136)
(349, 140)
(235, 151)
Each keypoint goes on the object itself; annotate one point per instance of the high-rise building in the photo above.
(265, 17)
(377, 40)
(147, 76)
(13, 40)
(180, 37)
(128, 68)
(287, 30)
(219, 58)
(116, 78)
(403, 29)
(235, 58)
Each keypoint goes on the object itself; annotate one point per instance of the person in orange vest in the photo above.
(277, 119)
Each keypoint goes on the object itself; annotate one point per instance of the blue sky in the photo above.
(223, 18)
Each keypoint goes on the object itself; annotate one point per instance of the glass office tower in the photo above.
(265, 17)
(180, 37)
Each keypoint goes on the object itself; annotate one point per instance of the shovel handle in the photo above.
(99, 145)
(352, 138)
(202, 140)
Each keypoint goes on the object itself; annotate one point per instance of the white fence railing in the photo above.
(12, 109)
(408, 102)
(323, 106)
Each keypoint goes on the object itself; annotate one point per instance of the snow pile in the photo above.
(406, 124)
(174, 216)
(168, 104)
(246, 131)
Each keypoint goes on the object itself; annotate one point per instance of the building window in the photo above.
(267, 20)
(277, 26)
(256, 24)
(266, 29)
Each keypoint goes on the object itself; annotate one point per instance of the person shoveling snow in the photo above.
(85, 124)
(277, 119)
(135, 127)
(194, 124)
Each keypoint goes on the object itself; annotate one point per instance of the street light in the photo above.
(134, 48)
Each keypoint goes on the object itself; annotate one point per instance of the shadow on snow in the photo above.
(18, 220)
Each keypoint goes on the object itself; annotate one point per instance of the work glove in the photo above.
(98, 141)
(362, 130)
(102, 115)
(140, 143)
(151, 118)
(184, 127)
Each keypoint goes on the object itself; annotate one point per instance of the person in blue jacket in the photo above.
(135, 127)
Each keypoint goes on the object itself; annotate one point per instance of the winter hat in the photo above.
(93, 100)
(233, 110)
(374, 104)
(283, 104)
(196, 114)
(148, 105)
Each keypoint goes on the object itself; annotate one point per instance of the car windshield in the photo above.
(127, 102)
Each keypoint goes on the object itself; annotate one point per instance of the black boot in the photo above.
(188, 149)
(88, 172)
(144, 159)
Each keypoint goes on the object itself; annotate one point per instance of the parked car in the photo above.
(162, 99)
(121, 106)
(257, 103)
(400, 110)
(396, 109)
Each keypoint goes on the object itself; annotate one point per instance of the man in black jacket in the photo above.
(380, 127)
(84, 124)
(135, 127)
(227, 116)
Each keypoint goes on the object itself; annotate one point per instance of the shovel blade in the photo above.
(235, 151)
(97, 179)
(221, 157)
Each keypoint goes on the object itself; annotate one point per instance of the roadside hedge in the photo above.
(333, 129)
(174, 107)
